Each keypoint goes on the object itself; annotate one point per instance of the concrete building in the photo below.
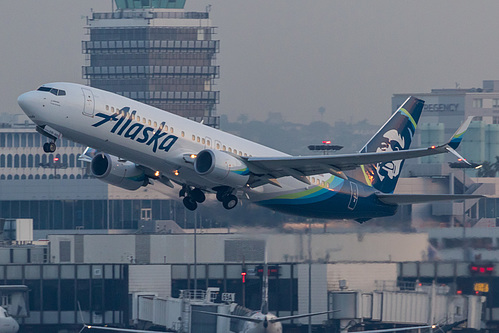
(446, 109)
(158, 54)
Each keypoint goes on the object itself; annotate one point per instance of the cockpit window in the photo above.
(57, 92)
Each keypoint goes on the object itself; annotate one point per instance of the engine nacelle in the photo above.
(221, 167)
(111, 170)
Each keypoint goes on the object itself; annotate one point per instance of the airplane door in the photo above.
(354, 196)
(89, 105)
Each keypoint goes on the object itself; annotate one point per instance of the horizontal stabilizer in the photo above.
(404, 199)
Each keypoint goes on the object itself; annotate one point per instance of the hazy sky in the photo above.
(285, 56)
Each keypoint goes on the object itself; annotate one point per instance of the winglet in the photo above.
(458, 136)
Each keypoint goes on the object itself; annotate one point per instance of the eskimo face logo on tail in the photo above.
(393, 141)
(136, 131)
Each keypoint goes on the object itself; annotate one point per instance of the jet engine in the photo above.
(123, 174)
(222, 168)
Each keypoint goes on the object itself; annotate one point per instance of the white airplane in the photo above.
(137, 143)
(7, 323)
(262, 321)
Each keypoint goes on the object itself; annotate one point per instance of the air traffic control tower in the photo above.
(155, 52)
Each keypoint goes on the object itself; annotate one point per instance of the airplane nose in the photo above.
(27, 102)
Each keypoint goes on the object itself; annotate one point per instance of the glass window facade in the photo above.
(169, 67)
(88, 214)
(283, 286)
(57, 288)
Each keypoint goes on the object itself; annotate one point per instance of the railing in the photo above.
(90, 71)
(150, 14)
(135, 45)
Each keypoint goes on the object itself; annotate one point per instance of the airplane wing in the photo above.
(301, 166)
(401, 329)
(104, 328)
(401, 199)
(254, 320)
(301, 316)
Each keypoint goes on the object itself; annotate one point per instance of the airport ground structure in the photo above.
(375, 279)
(158, 54)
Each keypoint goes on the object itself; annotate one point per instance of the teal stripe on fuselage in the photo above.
(316, 196)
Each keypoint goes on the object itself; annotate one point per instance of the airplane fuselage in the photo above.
(161, 141)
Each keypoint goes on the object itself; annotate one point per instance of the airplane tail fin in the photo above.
(396, 134)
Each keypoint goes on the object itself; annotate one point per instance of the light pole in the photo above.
(463, 165)
(55, 164)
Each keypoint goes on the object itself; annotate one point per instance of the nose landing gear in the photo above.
(49, 147)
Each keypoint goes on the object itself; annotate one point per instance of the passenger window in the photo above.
(208, 143)
(193, 137)
(107, 107)
(138, 119)
(144, 120)
(171, 129)
(183, 134)
(198, 139)
(230, 150)
(240, 153)
(149, 122)
(203, 141)
(155, 124)
(165, 128)
(235, 151)
(218, 146)
(224, 148)
(112, 109)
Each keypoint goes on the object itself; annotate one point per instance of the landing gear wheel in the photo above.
(189, 203)
(197, 195)
(182, 192)
(49, 147)
(229, 201)
(220, 196)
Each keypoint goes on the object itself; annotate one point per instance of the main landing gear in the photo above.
(193, 196)
(49, 147)
(225, 196)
